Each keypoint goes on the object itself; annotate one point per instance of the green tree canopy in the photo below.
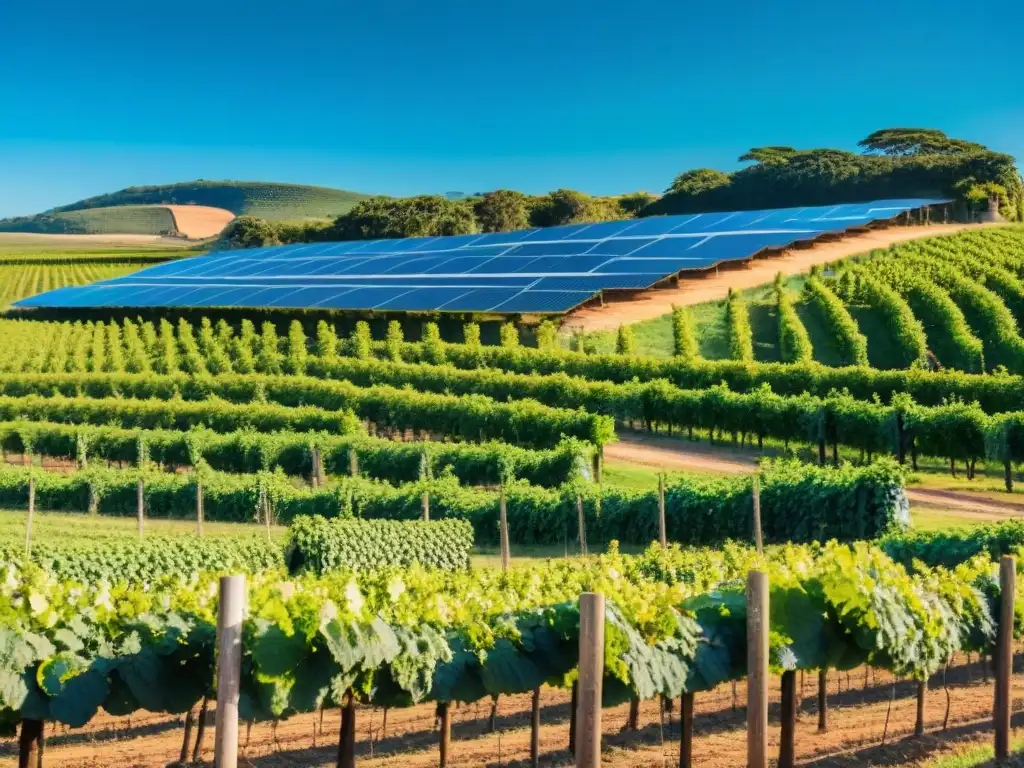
(426, 215)
(503, 210)
(633, 203)
(916, 141)
(768, 155)
(697, 182)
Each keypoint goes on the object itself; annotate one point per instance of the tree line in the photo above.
(895, 163)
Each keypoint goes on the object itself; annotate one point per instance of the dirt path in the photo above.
(713, 286)
(669, 453)
(858, 705)
(199, 221)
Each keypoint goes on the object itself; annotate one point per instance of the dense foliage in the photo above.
(317, 545)
(798, 502)
(675, 622)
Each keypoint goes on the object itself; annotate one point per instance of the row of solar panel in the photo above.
(816, 218)
(402, 298)
(657, 256)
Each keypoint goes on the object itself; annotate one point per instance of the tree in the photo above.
(423, 216)
(633, 203)
(768, 155)
(250, 232)
(698, 181)
(902, 142)
(563, 206)
(503, 210)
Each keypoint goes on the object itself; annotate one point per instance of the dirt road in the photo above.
(713, 286)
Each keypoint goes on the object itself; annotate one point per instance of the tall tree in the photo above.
(902, 142)
(698, 181)
(503, 210)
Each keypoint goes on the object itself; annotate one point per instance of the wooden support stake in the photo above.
(662, 529)
(186, 737)
(633, 723)
(822, 700)
(347, 735)
(199, 508)
(445, 742)
(922, 692)
(686, 731)
(140, 505)
(425, 504)
(506, 553)
(353, 462)
(787, 737)
(30, 744)
(31, 513)
(1004, 654)
(229, 669)
(581, 525)
(757, 670)
(757, 515)
(535, 728)
(588, 719)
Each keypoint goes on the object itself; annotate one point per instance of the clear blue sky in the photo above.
(403, 97)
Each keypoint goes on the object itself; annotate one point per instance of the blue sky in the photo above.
(403, 97)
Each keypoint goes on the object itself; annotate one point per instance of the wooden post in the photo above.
(758, 539)
(30, 743)
(581, 525)
(1008, 475)
(822, 700)
(588, 719)
(686, 731)
(31, 513)
(317, 474)
(633, 723)
(1004, 653)
(573, 706)
(535, 728)
(229, 669)
(662, 530)
(922, 691)
(199, 507)
(140, 505)
(444, 709)
(757, 670)
(786, 740)
(353, 461)
(425, 505)
(347, 736)
(506, 553)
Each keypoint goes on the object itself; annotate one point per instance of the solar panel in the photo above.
(546, 270)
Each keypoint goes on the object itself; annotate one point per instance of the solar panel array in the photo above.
(548, 270)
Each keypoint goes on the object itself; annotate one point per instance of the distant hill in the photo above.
(195, 209)
(268, 200)
(122, 220)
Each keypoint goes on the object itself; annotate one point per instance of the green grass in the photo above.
(882, 350)
(269, 200)
(125, 220)
(977, 756)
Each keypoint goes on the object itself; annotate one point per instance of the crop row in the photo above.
(799, 502)
(248, 450)
(675, 622)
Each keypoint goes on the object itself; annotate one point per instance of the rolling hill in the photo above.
(194, 209)
(267, 200)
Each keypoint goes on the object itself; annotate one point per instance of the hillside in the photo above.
(126, 220)
(267, 200)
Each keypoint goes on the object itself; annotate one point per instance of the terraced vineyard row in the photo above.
(23, 280)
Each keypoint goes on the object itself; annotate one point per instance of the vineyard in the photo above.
(19, 281)
(357, 480)
(953, 302)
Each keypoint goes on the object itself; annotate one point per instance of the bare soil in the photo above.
(857, 723)
(30, 239)
(198, 222)
(714, 285)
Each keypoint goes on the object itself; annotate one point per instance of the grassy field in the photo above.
(267, 200)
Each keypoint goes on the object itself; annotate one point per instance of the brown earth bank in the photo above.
(870, 722)
(28, 239)
(198, 222)
(714, 285)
